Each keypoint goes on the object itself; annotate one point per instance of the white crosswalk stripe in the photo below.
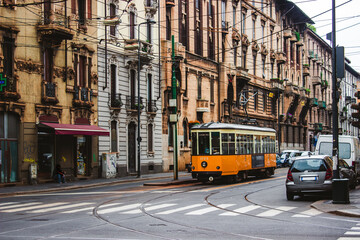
(34, 207)
(117, 209)
(78, 210)
(7, 203)
(209, 209)
(274, 212)
(20, 205)
(240, 210)
(150, 208)
(181, 209)
(307, 213)
(60, 208)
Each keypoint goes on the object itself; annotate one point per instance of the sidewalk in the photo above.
(166, 179)
(158, 179)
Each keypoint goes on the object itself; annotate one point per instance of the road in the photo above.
(255, 209)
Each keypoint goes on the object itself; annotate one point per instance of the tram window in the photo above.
(249, 144)
(215, 143)
(228, 143)
(193, 144)
(257, 144)
(204, 143)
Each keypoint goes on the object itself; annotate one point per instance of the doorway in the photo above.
(132, 147)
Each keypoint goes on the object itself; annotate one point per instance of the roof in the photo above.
(212, 125)
(295, 12)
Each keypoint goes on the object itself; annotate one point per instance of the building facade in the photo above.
(48, 106)
(128, 65)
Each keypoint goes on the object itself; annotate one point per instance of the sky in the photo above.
(347, 18)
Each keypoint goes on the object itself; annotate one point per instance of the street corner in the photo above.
(327, 206)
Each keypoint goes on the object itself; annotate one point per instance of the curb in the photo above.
(56, 189)
(329, 208)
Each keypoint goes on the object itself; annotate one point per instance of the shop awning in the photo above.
(70, 129)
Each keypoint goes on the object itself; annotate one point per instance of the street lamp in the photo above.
(139, 66)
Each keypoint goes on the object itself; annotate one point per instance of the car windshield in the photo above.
(284, 155)
(310, 165)
(325, 148)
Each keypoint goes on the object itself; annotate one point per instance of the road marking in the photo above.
(180, 209)
(352, 233)
(274, 212)
(78, 210)
(150, 208)
(20, 205)
(209, 209)
(35, 207)
(240, 210)
(349, 238)
(117, 209)
(300, 216)
(355, 228)
(7, 203)
(60, 207)
(109, 205)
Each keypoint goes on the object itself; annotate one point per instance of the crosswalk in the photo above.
(352, 234)
(197, 209)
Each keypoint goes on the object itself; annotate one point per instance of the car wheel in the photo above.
(289, 196)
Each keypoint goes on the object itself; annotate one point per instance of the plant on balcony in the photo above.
(345, 109)
(307, 90)
(306, 65)
(141, 106)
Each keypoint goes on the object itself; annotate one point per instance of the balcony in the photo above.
(52, 27)
(151, 8)
(170, 3)
(132, 103)
(277, 84)
(82, 97)
(146, 51)
(10, 91)
(202, 105)
(287, 33)
(242, 73)
(245, 40)
(280, 58)
(314, 102)
(151, 106)
(318, 127)
(322, 104)
(311, 54)
(116, 102)
(306, 70)
(49, 93)
(316, 80)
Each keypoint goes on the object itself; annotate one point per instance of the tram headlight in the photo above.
(204, 164)
(218, 167)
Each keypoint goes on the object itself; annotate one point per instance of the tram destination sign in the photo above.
(2, 82)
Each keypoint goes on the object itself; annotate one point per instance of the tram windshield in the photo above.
(216, 143)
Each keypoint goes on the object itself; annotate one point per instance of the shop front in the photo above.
(73, 147)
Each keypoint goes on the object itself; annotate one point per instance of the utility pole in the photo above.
(173, 105)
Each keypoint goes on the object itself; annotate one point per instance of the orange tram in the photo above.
(232, 151)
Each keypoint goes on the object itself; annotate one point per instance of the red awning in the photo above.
(70, 129)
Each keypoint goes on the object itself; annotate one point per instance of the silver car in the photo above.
(308, 175)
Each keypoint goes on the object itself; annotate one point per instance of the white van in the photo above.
(348, 149)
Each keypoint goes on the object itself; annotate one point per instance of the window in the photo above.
(48, 64)
(262, 33)
(271, 38)
(186, 82)
(199, 80)
(149, 32)
(194, 143)
(168, 23)
(89, 72)
(82, 11)
(234, 16)
(211, 33)
(262, 6)
(150, 138)
(263, 67)
(212, 90)
(112, 15)
(265, 101)
(243, 23)
(132, 88)
(204, 143)
(186, 133)
(82, 72)
(113, 83)
(243, 58)
(114, 136)
(228, 143)
(271, 9)
(149, 94)
(254, 63)
(253, 29)
(183, 22)
(132, 25)
(8, 51)
(272, 70)
(198, 28)
(255, 94)
(215, 143)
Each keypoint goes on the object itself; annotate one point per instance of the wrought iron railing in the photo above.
(151, 106)
(132, 103)
(116, 101)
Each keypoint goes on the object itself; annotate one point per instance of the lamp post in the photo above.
(138, 85)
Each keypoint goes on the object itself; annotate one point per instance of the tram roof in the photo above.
(213, 125)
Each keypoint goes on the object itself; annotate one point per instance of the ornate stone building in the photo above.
(48, 107)
(129, 65)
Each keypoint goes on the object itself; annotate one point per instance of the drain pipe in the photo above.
(159, 96)
(218, 62)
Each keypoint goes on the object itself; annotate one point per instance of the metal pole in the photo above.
(173, 86)
(138, 95)
(335, 97)
(279, 126)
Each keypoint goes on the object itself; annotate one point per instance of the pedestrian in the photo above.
(59, 174)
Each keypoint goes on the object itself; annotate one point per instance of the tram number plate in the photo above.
(308, 178)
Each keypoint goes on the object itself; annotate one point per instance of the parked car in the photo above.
(285, 156)
(309, 174)
(299, 154)
(278, 162)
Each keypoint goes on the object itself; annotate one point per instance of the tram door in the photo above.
(132, 147)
